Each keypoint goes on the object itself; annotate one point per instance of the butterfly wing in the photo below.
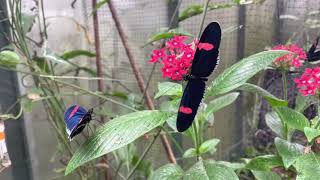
(312, 54)
(189, 104)
(205, 60)
(73, 118)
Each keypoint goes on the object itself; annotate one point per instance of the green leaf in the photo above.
(293, 118)
(165, 34)
(302, 103)
(76, 53)
(42, 64)
(233, 165)
(192, 152)
(26, 104)
(9, 59)
(27, 22)
(274, 123)
(236, 75)
(99, 5)
(272, 100)
(264, 163)
(210, 170)
(171, 121)
(308, 167)
(209, 146)
(265, 175)
(311, 133)
(169, 89)
(116, 134)
(196, 9)
(168, 172)
(144, 165)
(220, 103)
(288, 151)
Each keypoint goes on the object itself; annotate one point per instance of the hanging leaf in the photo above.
(288, 151)
(99, 5)
(168, 172)
(165, 34)
(9, 59)
(272, 100)
(116, 134)
(236, 75)
(308, 167)
(311, 133)
(169, 89)
(42, 64)
(76, 53)
(264, 163)
(293, 118)
(210, 170)
(274, 123)
(220, 103)
(27, 22)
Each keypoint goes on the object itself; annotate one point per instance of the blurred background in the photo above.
(247, 28)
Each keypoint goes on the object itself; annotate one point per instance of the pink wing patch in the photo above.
(185, 110)
(73, 111)
(205, 46)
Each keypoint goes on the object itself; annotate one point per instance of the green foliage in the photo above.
(209, 146)
(236, 75)
(99, 5)
(311, 133)
(168, 172)
(209, 169)
(192, 152)
(274, 123)
(293, 118)
(266, 175)
(308, 166)
(76, 53)
(288, 151)
(169, 89)
(27, 22)
(264, 163)
(196, 9)
(9, 59)
(116, 134)
(272, 100)
(220, 103)
(166, 33)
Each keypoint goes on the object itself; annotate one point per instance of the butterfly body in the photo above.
(204, 62)
(76, 118)
(314, 54)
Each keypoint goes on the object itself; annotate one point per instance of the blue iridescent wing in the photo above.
(73, 117)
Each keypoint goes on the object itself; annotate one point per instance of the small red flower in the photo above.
(309, 82)
(288, 61)
(185, 110)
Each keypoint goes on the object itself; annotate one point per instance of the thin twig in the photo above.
(143, 155)
(138, 76)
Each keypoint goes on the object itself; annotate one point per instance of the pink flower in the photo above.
(157, 54)
(288, 61)
(309, 82)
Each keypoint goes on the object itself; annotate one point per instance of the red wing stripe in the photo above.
(73, 111)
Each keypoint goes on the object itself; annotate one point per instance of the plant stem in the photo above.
(318, 113)
(196, 143)
(285, 88)
(138, 76)
(203, 17)
(144, 154)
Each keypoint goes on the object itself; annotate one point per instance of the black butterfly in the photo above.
(312, 54)
(204, 62)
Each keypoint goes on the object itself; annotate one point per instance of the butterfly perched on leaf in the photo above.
(76, 118)
(314, 54)
(204, 62)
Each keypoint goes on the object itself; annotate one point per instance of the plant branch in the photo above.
(138, 76)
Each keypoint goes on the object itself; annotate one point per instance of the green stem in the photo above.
(285, 88)
(203, 17)
(144, 154)
(196, 139)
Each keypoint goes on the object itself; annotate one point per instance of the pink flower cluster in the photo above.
(176, 57)
(294, 59)
(309, 82)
